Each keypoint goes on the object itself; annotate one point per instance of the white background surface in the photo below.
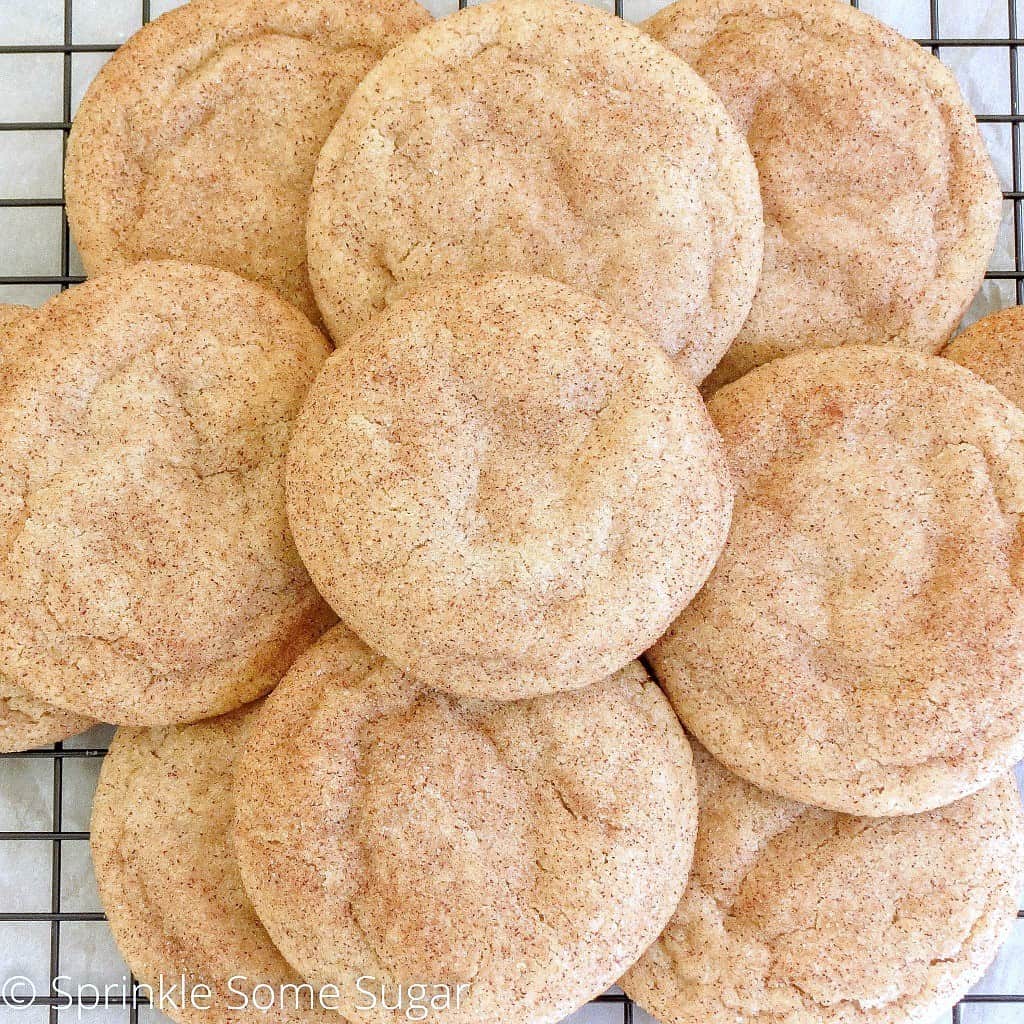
(30, 244)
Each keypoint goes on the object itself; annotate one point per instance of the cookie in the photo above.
(197, 141)
(168, 878)
(147, 575)
(505, 487)
(513, 857)
(860, 643)
(793, 913)
(881, 204)
(26, 723)
(540, 137)
(993, 348)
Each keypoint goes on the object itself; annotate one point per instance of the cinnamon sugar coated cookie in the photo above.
(25, 722)
(993, 348)
(146, 571)
(542, 137)
(880, 203)
(798, 914)
(197, 140)
(505, 487)
(168, 878)
(527, 851)
(860, 643)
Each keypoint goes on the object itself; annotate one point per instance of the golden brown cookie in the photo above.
(389, 835)
(169, 881)
(880, 203)
(993, 348)
(197, 141)
(505, 487)
(147, 575)
(542, 137)
(798, 914)
(860, 643)
(25, 722)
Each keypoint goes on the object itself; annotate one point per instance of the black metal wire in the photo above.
(56, 836)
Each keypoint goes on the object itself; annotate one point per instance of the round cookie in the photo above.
(197, 141)
(391, 836)
(993, 348)
(795, 914)
(168, 878)
(27, 723)
(881, 206)
(541, 137)
(860, 643)
(505, 487)
(147, 575)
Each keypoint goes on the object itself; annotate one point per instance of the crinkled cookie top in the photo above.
(167, 874)
(795, 914)
(146, 570)
(197, 140)
(542, 137)
(993, 348)
(881, 205)
(860, 643)
(505, 487)
(530, 850)
(26, 722)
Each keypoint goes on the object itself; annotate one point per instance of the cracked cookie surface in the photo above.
(197, 140)
(167, 875)
(881, 205)
(793, 913)
(530, 849)
(146, 570)
(25, 721)
(860, 643)
(505, 487)
(541, 137)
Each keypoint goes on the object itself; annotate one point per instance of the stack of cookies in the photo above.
(633, 594)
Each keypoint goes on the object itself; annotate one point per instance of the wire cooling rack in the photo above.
(58, 933)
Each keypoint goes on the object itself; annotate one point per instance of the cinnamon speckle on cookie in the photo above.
(197, 140)
(506, 487)
(147, 575)
(860, 643)
(530, 850)
(169, 883)
(795, 913)
(881, 205)
(993, 348)
(541, 137)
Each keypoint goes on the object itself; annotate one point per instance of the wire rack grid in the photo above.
(64, 836)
